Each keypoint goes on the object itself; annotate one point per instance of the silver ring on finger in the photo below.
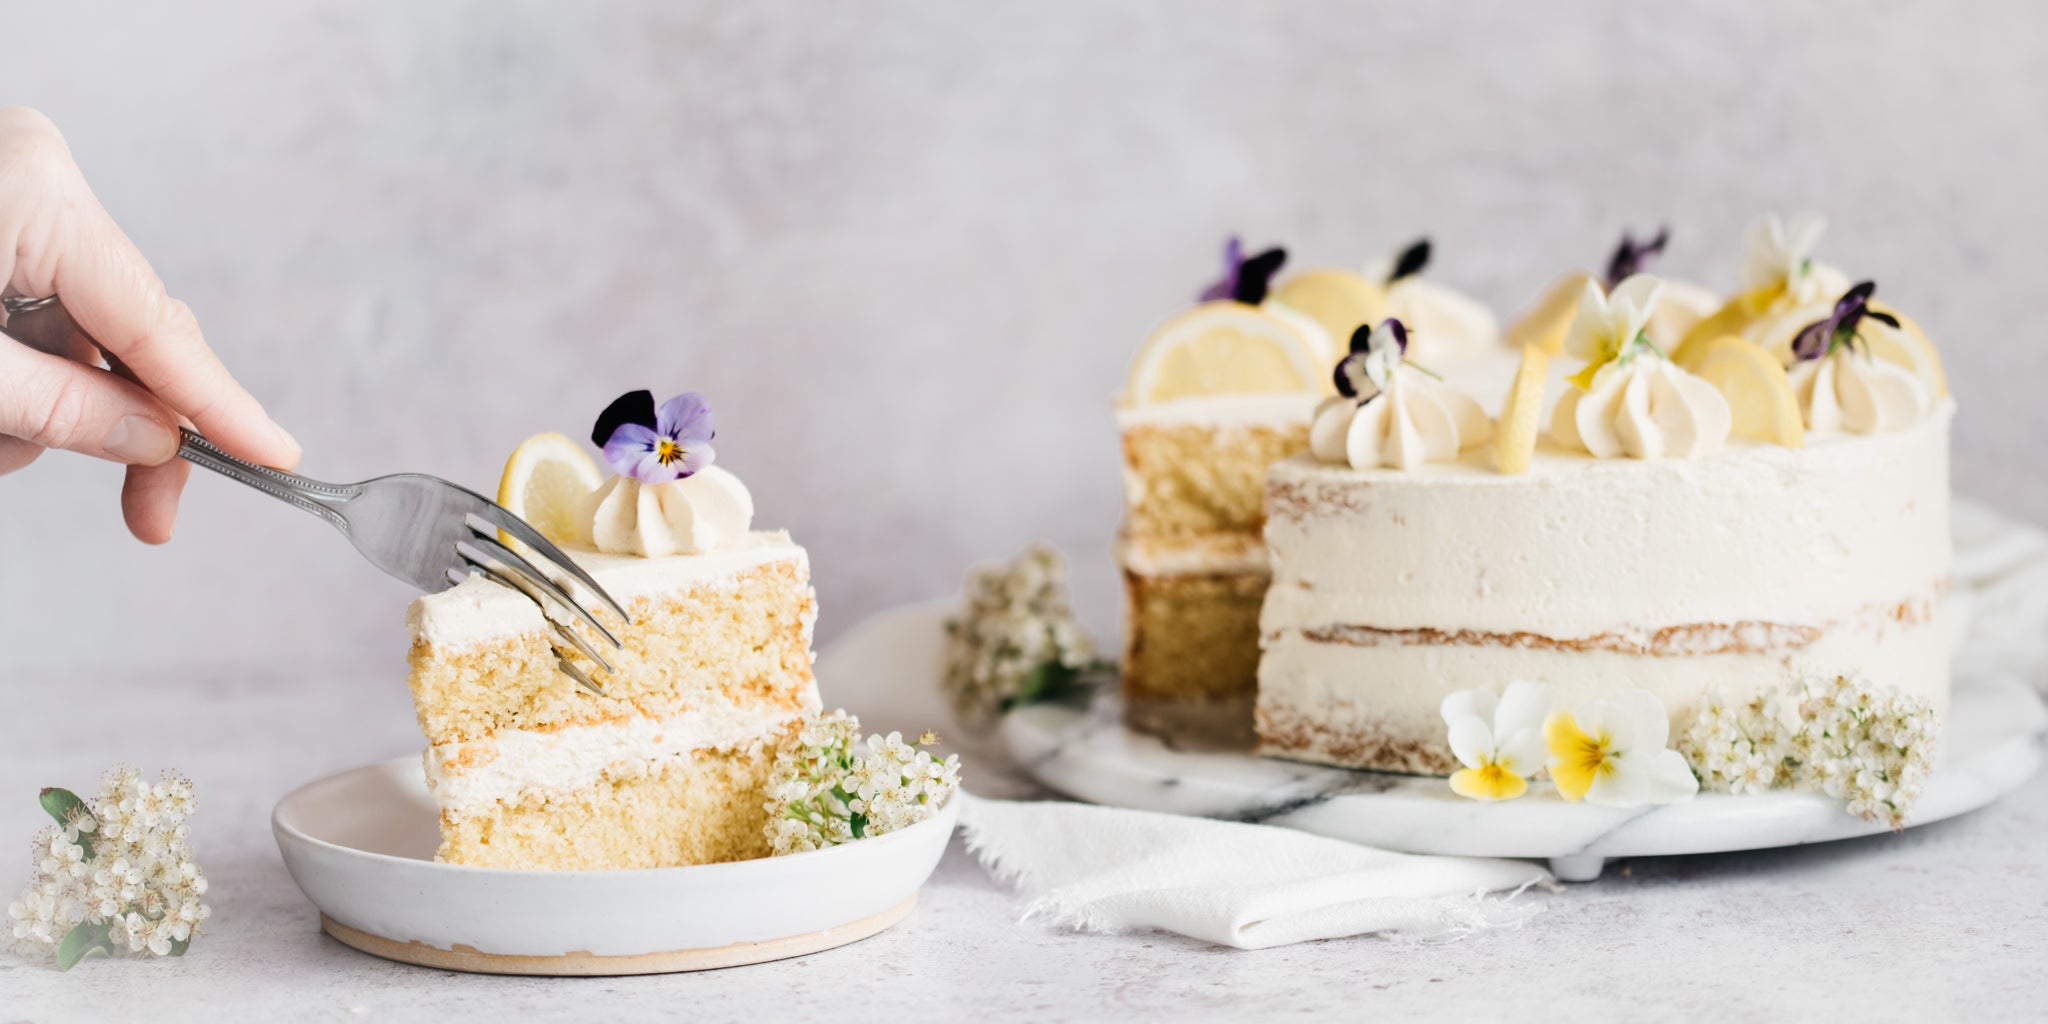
(17, 305)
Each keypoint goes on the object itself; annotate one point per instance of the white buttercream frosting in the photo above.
(513, 763)
(478, 610)
(1643, 407)
(1637, 403)
(1849, 391)
(691, 516)
(1414, 420)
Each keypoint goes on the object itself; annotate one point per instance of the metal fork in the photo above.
(433, 535)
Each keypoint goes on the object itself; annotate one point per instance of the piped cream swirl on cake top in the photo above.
(665, 497)
(1841, 386)
(668, 498)
(1390, 412)
(1630, 401)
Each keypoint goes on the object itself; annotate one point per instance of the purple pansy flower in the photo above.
(1245, 279)
(1632, 257)
(653, 446)
(1819, 338)
(1375, 351)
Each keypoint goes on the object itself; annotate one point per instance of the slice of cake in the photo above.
(1771, 510)
(1217, 394)
(668, 765)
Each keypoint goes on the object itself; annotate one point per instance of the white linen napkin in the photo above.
(1102, 869)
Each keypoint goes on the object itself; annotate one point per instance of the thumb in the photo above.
(56, 403)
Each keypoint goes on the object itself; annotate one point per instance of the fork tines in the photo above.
(483, 552)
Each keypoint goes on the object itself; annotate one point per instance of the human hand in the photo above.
(114, 369)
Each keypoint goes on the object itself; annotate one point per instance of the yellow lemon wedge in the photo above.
(1224, 348)
(545, 483)
(1340, 301)
(1546, 323)
(1514, 440)
(1735, 317)
(1759, 394)
(1908, 346)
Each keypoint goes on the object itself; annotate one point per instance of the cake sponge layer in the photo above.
(1186, 478)
(708, 808)
(738, 638)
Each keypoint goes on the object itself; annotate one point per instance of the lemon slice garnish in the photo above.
(1908, 346)
(1341, 301)
(1546, 323)
(1759, 395)
(545, 483)
(1514, 441)
(1735, 317)
(1224, 348)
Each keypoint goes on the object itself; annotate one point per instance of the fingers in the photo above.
(116, 298)
(53, 402)
(52, 330)
(149, 499)
(66, 243)
(16, 453)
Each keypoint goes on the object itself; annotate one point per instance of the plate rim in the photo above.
(282, 830)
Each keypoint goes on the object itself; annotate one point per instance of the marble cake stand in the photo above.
(1992, 738)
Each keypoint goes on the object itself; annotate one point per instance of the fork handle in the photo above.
(300, 492)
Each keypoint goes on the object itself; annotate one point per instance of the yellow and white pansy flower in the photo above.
(1777, 256)
(1614, 753)
(1610, 324)
(1499, 740)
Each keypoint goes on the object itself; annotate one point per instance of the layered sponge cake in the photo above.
(1725, 507)
(669, 764)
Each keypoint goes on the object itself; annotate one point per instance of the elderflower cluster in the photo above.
(827, 787)
(1017, 640)
(114, 874)
(1868, 747)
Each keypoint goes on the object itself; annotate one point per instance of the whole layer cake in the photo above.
(1768, 503)
(669, 764)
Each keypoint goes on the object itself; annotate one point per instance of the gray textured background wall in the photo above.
(908, 249)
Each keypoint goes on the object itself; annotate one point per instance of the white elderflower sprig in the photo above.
(1864, 745)
(827, 787)
(113, 875)
(1017, 640)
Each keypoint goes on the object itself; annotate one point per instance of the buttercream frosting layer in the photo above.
(478, 610)
(1375, 705)
(514, 764)
(1581, 548)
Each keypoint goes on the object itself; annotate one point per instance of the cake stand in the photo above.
(1992, 744)
(1991, 737)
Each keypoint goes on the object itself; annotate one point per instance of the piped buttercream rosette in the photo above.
(1841, 386)
(1630, 401)
(667, 498)
(1392, 413)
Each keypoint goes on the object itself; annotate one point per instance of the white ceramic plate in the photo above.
(361, 845)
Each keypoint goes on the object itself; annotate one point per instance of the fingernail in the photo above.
(141, 440)
(286, 437)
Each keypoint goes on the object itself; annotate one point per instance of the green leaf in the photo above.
(66, 807)
(83, 940)
(1048, 682)
(178, 948)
